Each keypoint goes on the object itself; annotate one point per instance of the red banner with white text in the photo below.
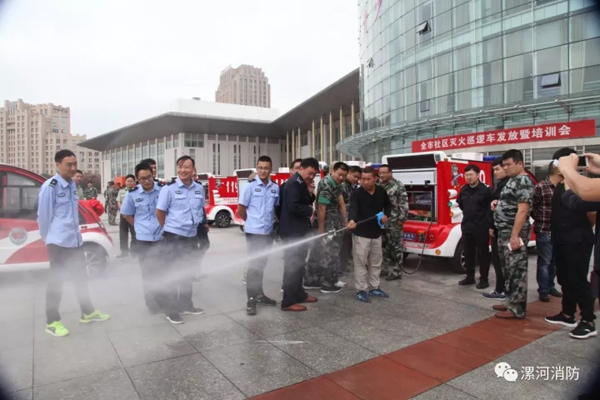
(559, 130)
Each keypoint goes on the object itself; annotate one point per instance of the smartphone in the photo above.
(520, 244)
(583, 162)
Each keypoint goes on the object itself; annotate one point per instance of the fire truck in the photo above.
(433, 181)
(220, 198)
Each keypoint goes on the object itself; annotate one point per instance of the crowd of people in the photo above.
(358, 216)
(563, 224)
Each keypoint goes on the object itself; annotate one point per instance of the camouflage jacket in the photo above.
(399, 199)
(518, 189)
(328, 193)
(111, 196)
(346, 189)
(90, 193)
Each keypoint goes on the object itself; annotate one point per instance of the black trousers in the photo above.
(125, 228)
(500, 284)
(149, 256)
(65, 263)
(346, 252)
(180, 257)
(572, 266)
(477, 244)
(294, 264)
(256, 267)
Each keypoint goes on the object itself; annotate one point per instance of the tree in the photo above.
(94, 178)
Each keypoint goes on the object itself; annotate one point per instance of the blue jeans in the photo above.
(546, 267)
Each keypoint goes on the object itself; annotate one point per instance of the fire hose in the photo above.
(331, 234)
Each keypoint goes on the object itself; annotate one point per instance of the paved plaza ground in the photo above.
(431, 340)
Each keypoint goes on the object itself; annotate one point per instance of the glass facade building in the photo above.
(439, 68)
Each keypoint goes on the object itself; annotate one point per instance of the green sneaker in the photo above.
(57, 329)
(96, 316)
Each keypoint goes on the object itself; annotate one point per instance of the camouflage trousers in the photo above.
(112, 214)
(323, 267)
(514, 268)
(393, 254)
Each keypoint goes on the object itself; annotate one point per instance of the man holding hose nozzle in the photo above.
(366, 202)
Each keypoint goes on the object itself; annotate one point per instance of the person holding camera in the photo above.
(573, 240)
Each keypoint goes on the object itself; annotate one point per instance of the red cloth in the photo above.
(96, 206)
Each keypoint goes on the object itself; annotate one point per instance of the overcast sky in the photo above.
(115, 62)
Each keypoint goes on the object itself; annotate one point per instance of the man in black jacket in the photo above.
(499, 293)
(294, 167)
(573, 241)
(294, 225)
(474, 200)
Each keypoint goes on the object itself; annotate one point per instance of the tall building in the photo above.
(30, 135)
(87, 160)
(487, 75)
(245, 85)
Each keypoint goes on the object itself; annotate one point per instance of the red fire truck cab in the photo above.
(433, 181)
(21, 246)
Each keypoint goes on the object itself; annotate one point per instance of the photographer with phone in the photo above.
(573, 240)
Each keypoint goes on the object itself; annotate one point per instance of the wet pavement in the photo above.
(432, 339)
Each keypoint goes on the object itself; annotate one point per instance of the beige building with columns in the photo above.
(225, 137)
(313, 128)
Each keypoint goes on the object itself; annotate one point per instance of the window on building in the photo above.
(423, 28)
(550, 80)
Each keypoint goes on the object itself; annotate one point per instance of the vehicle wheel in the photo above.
(223, 219)
(457, 263)
(95, 258)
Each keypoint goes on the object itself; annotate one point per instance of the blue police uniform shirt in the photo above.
(142, 206)
(58, 213)
(260, 201)
(184, 207)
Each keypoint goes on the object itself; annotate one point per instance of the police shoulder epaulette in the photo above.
(53, 183)
(172, 182)
(161, 184)
(252, 180)
(133, 189)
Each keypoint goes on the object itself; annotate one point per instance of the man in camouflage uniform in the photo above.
(511, 218)
(349, 185)
(393, 254)
(112, 207)
(90, 192)
(323, 267)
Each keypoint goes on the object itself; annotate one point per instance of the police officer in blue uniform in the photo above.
(139, 209)
(58, 220)
(257, 208)
(180, 210)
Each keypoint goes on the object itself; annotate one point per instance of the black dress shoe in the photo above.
(482, 284)
(467, 281)
(555, 293)
(544, 297)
